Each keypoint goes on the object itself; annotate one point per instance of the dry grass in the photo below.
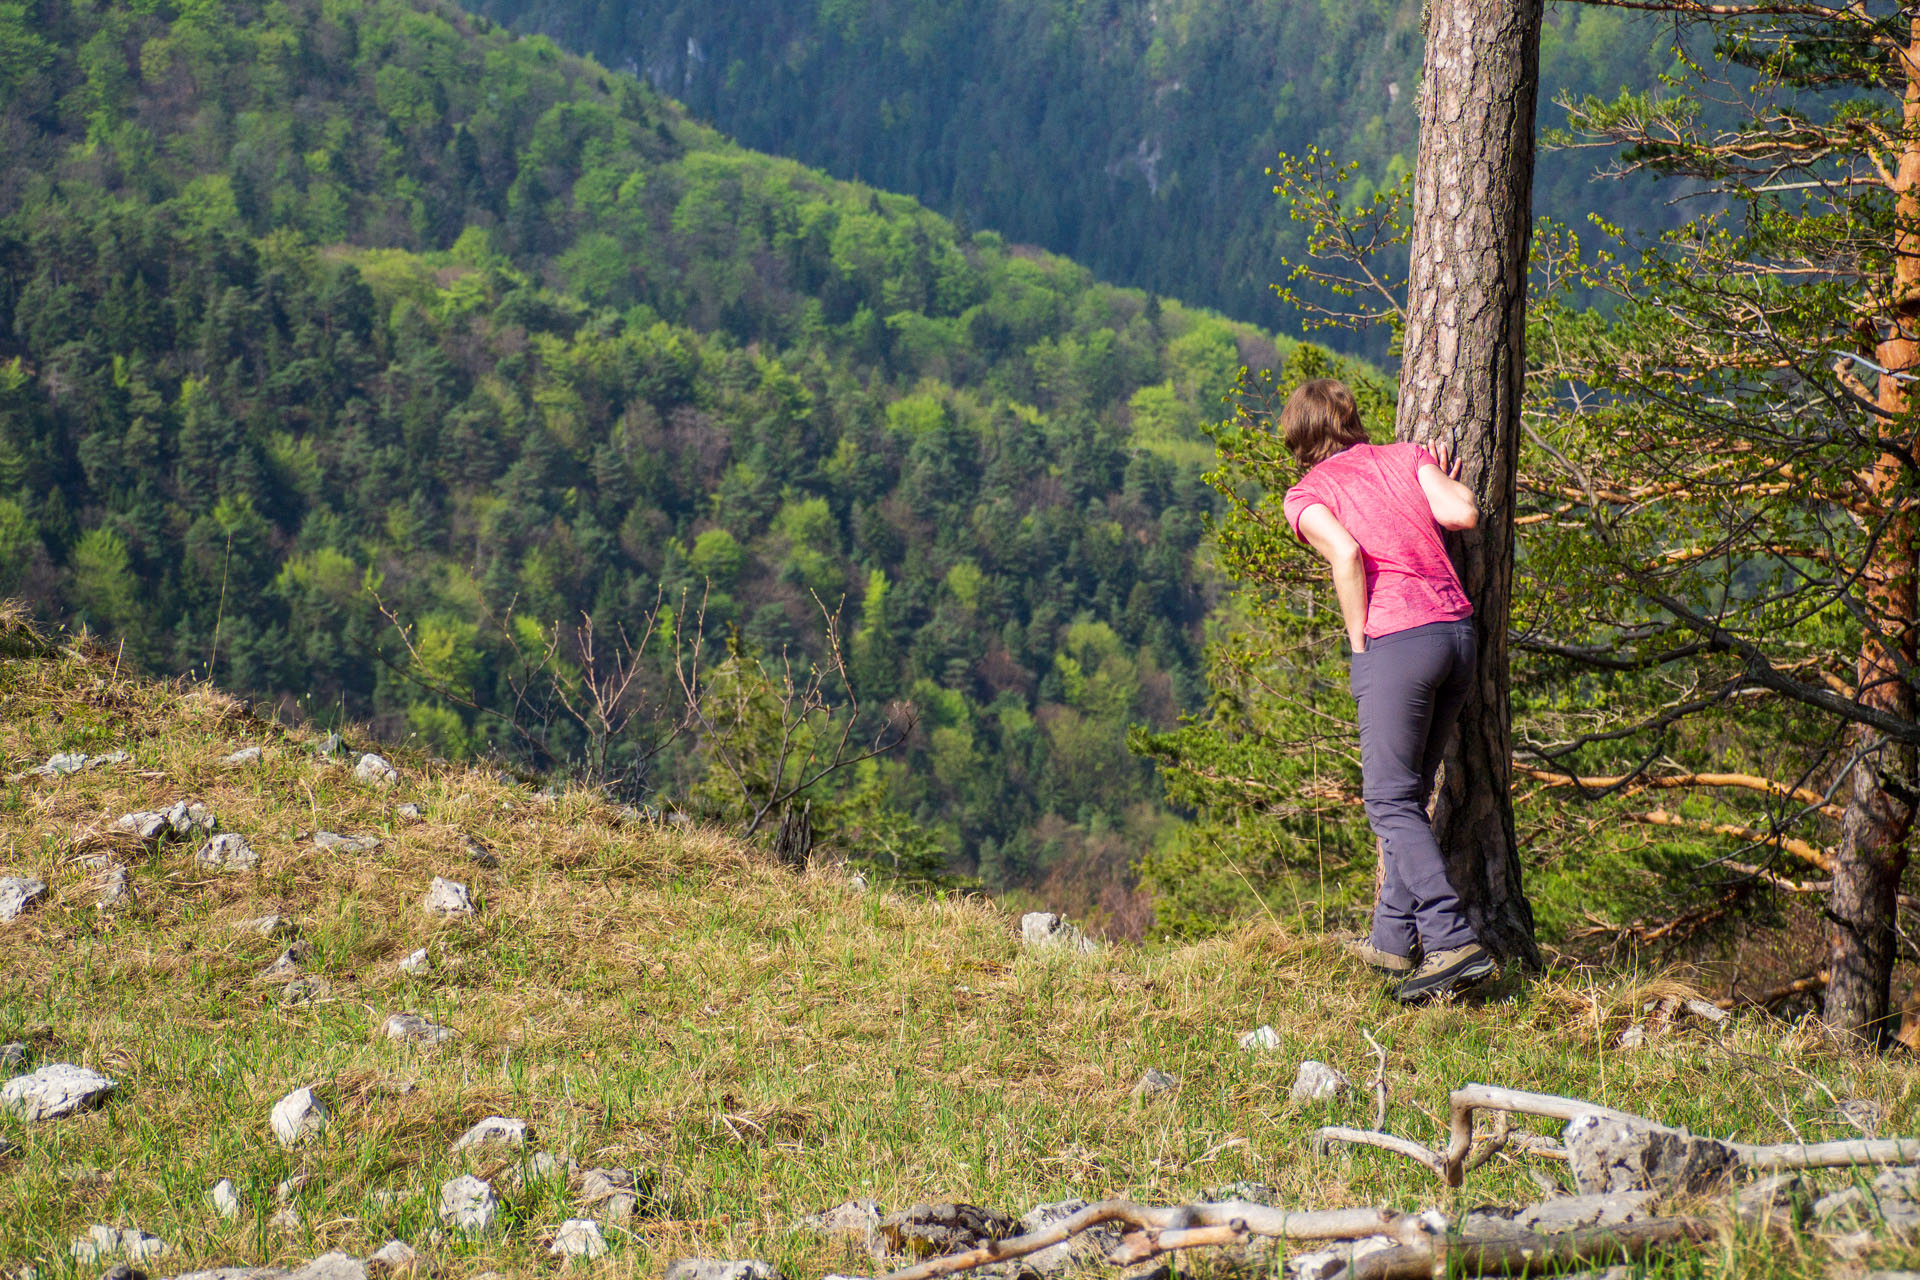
(761, 1044)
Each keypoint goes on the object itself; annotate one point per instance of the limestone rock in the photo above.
(478, 853)
(540, 1166)
(926, 1230)
(494, 1131)
(1317, 1082)
(1262, 1039)
(288, 1189)
(849, 1218)
(119, 1271)
(1778, 1197)
(61, 763)
(468, 1204)
(1153, 1082)
(286, 1220)
(332, 1266)
(1847, 1209)
(269, 926)
(288, 962)
(411, 1028)
(416, 965)
(116, 890)
(150, 826)
(132, 1244)
(447, 898)
(306, 990)
(1616, 1155)
(188, 818)
(17, 893)
(331, 745)
(1048, 930)
(55, 1090)
(235, 1273)
(333, 842)
(226, 852)
(243, 757)
(612, 1195)
(1572, 1213)
(394, 1255)
(375, 771)
(1085, 1249)
(13, 1054)
(718, 1269)
(409, 813)
(579, 1238)
(225, 1198)
(1251, 1192)
(298, 1116)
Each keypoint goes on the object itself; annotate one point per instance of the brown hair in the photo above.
(1320, 420)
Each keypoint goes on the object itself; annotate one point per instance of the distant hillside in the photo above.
(311, 307)
(1131, 135)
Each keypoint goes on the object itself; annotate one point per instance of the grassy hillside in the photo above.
(310, 304)
(757, 1044)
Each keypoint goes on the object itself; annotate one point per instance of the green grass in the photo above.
(760, 1044)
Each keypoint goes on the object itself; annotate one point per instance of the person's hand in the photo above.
(1442, 452)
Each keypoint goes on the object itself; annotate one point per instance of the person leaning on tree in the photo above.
(1375, 513)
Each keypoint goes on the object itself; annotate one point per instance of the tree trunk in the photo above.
(1874, 829)
(1461, 377)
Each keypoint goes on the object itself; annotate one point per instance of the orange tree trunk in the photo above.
(1879, 814)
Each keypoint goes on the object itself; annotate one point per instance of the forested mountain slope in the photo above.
(1131, 135)
(311, 307)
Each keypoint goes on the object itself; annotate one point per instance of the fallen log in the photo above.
(1163, 1228)
(1532, 1255)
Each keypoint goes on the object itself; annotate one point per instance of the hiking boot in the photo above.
(1363, 950)
(1445, 973)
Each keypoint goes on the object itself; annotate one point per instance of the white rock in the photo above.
(297, 1116)
(239, 759)
(467, 1204)
(719, 1269)
(17, 893)
(1048, 930)
(411, 1028)
(541, 1166)
(116, 890)
(65, 762)
(149, 825)
(130, 1243)
(409, 813)
(417, 965)
(13, 1054)
(54, 1090)
(269, 926)
(579, 1238)
(448, 898)
(1260, 1039)
(286, 1218)
(375, 771)
(496, 1131)
(394, 1255)
(189, 817)
(1316, 1081)
(333, 842)
(226, 1199)
(332, 1266)
(226, 852)
(1154, 1082)
(289, 1188)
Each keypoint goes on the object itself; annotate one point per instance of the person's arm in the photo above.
(1450, 501)
(1325, 534)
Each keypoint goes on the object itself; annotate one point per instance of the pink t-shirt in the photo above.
(1374, 491)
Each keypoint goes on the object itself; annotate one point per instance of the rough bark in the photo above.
(1873, 832)
(1461, 378)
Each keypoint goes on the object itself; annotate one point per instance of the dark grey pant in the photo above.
(1410, 686)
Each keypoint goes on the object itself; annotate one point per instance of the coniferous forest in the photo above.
(1132, 137)
(356, 355)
